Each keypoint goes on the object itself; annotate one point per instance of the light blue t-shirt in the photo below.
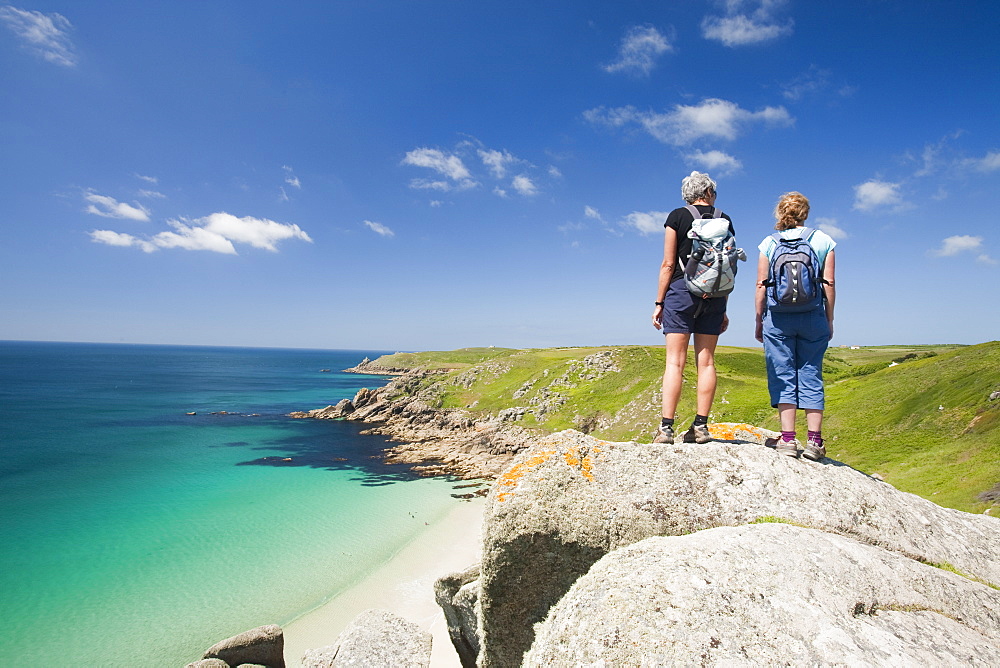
(821, 242)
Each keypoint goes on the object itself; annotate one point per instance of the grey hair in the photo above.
(696, 186)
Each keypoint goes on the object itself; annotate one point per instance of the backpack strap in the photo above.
(802, 237)
(697, 215)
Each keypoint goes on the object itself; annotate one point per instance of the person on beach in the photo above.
(796, 335)
(680, 314)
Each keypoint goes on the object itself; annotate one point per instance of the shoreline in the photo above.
(403, 585)
(433, 441)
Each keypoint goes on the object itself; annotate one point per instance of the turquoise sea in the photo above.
(134, 534)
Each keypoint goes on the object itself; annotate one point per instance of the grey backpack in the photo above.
(711, 268)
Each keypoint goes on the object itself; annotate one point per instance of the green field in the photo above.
(920, 416)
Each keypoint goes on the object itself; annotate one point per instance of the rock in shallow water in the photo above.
(263, 645)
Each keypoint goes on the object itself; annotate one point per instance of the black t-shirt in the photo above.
(680, 220)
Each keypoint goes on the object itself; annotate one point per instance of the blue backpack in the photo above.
(795, 276)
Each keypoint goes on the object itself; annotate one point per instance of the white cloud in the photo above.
(499, 192)
(811, 83)
(152, 194)
(571, 227)
(554, 172)
(436, 203)
(258, 232)
(685, 124)
(45, 34)
(497, 161)
(379, 229)
(448, 165)
(283, 197)
(930, 159)
(148, 179)
(715, 160)
(215, 233)
(591, 212)
(427, 184)
(645, 223)
(117, 239)
(740, 29)
(639, 50)
(989, 163)
(524, 185)
(188, 237)
(290, 178)
(109, 207)
(958, 244)
(873, 194)
(831, 227)
(986, 259)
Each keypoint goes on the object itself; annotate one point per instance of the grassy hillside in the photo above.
(919, 415)
(927, 425)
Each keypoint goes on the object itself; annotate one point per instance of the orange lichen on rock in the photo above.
(730, 431)
(513, 476)
(585, 463)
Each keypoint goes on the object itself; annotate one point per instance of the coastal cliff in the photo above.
(367, 366)
(921, 417)
(625, 553)
(434, 441)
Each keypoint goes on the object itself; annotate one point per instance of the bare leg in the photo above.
(814, 419)
(786, 413)
(704, 350)
(673, 375)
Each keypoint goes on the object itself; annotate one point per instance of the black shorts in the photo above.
(683, 313)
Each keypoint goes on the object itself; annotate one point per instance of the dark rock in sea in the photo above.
(374, 638)
(263, 645)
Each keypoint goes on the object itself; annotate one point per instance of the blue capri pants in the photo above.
(794, 345)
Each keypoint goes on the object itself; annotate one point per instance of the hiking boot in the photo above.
(814, 450)
(664, 435)
(789, 448)
(698, 433)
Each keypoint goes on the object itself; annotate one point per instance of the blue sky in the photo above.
(411, 175)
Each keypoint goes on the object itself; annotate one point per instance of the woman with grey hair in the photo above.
(679, 314)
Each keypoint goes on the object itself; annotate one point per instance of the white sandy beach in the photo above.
(403, 585)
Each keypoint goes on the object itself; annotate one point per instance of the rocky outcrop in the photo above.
(458, 596)
(768, 594)
(375, 638)
(571, 499)
(463, 443)
(367, 366)
(262, 646)
(437, 442)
